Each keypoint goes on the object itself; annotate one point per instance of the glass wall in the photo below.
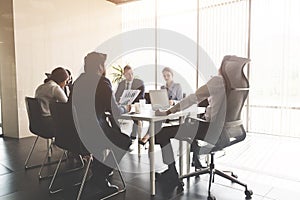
(177, 47)
(139, 17)
(219, 28)
(275, 71)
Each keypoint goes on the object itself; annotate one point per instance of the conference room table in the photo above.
(147, 114)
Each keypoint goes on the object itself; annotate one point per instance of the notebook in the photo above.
(159, 99)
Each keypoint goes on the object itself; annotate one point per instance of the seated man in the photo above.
(105, 103)
(214, 91)
(131, 83)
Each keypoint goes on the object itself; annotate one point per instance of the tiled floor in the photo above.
(268, 164)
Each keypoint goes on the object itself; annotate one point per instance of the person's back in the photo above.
(47, 93)
(92, 97)
(52, 90)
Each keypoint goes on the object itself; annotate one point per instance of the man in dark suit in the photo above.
(86, 100)
(131, 83)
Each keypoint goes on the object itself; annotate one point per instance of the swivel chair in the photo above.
(232, 130)
(67, 138)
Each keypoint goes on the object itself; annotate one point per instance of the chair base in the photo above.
(41, 166)
(68, 171)
(83, 181)
(212, 172)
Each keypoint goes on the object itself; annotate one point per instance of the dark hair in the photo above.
(93, 60)
(127, 67)
(59, 75)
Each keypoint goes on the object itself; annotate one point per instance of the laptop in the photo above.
(159, 99)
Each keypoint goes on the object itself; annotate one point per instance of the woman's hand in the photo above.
(162, 113)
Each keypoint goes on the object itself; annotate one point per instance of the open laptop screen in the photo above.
(159, 99)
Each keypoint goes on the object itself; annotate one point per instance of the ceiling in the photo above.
(120, 1)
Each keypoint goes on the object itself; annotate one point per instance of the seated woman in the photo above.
(68, 87)
(52, 90)
(174, 93)
(174, 89)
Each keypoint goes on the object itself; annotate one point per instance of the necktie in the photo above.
(127, 86)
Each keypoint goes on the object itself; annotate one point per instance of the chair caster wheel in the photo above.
(248, 194)
(211, 197)
(234, 175)
(180, 187)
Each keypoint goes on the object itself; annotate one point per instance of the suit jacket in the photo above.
(137, 84)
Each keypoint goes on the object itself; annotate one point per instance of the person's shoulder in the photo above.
(50, 84)
(40, 87)
(105, 80)
(122, 81)
(177, 84)
(215, 80)
(137, 80)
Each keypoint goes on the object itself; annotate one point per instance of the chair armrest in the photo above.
(240, 89)
(197, 119)
(233, 123)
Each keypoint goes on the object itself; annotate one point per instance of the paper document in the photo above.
(128, 96)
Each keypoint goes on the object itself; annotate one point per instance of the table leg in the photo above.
(180, 158)
(188, 159)
(140, 128)
(152, 161)
(49, 142)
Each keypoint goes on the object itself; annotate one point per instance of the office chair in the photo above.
(68, 139)
(37, 127)
(232, 131)
(147, 97)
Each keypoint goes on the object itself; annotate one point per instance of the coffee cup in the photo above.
(142, 102)
(137, 107)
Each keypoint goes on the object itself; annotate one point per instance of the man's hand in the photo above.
(128, 108)
(161, 113)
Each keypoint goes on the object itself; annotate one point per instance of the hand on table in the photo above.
(128, 108)
(160, 113)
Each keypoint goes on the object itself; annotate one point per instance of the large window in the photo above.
(275, 71)
(221, 27)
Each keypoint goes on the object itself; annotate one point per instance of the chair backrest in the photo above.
(36, 122)
(237, 89)
(147, 97)
(66, 134)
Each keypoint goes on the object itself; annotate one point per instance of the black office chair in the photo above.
(37, 126)
(147, 97)
(68, 139)
(232, 132)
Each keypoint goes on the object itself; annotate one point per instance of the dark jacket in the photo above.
(137, 84)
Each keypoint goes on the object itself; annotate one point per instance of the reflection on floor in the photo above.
(268, 164)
